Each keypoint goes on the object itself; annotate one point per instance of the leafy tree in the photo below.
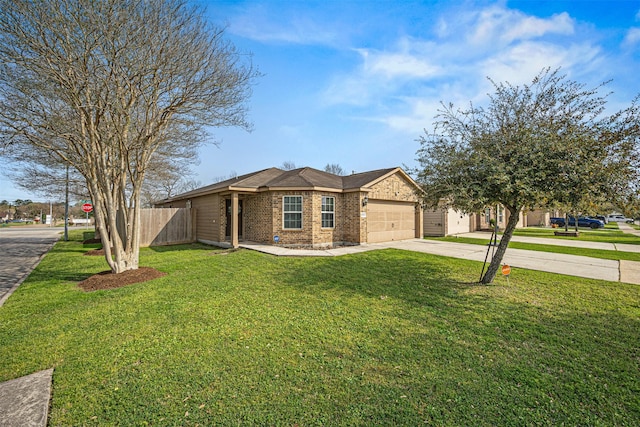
(105, 85)
(335, 169)
(537, 145)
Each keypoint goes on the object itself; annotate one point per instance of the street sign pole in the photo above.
(87, 207)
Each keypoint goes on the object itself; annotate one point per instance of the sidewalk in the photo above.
(24, 402)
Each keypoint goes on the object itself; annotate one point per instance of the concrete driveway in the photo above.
(21, 249)
(572, 265)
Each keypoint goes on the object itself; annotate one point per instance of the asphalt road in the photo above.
(20, 251)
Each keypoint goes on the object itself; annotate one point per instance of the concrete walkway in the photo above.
(24, 402)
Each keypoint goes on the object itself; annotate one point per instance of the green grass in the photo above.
(609, 234)
(378, 338)
(593, 253)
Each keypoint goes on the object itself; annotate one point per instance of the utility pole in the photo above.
(66, 207)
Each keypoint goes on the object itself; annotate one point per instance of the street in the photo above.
(20, 250)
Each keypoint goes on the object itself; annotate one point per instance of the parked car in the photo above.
(602, 218)
(619, 218)
(583, 221)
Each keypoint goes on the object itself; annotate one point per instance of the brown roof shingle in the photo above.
(301, 178)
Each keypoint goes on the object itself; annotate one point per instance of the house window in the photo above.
(292, 212)
(328, 210)
(500, 215)
(487, 216)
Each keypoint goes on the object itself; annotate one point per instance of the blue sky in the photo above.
(356, 82)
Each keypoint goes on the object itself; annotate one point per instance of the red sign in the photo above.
(87, 207)
(506, 270)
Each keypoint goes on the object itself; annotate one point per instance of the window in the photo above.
(500, 214)
(292, 212)
(328, 209)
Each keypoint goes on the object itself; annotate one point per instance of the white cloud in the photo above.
(632, 38)
(397, 64)
(262, 24)
(402, 86)
(520, 63)
(504, 26)
(420, 115)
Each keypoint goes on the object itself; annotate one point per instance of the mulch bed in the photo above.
(95, 252)
(108, 280)
(91, 241)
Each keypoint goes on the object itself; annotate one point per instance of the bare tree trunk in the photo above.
(502, 247)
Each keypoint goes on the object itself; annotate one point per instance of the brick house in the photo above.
(305, 207)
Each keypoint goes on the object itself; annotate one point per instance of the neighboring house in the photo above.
(538, 218)
(305, 208)
(446, 222)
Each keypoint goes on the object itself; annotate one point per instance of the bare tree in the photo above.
(335, 169)
(107, 84)
(42, 173)
(168, 181)
(220, 178)
(288, 165)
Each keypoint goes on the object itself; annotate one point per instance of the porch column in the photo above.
(234, 220)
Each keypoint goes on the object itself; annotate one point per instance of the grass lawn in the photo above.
(378, 338)
(593, 253)
(610, 234)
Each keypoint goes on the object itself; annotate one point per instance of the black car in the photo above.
(583, 221)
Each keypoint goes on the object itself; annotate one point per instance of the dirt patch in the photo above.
(108, 280)
(95, 252)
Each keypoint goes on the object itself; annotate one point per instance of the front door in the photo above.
(228, 210)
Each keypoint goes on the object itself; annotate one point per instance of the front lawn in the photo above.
(569, 250)
(610, 234)
(378, 338)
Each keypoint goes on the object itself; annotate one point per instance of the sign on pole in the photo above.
(506, 271)
(87, 207)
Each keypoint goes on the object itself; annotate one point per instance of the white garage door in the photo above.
(387, 221)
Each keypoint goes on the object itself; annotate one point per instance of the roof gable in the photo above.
(306, 178)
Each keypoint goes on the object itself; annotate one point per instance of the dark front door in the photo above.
(228, 210)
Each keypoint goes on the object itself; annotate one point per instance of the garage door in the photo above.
(387, 221)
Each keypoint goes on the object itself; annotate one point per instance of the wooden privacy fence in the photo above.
(167, 226)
